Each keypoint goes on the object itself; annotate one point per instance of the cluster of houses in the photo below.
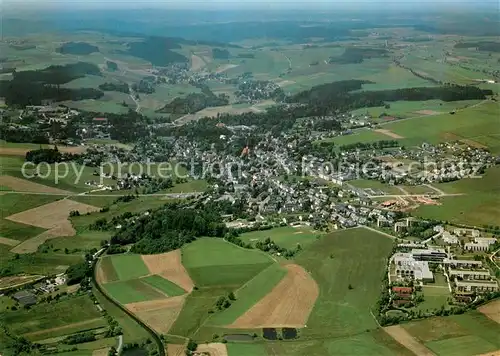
(28, 297)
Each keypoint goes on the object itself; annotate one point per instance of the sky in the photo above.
(234, 4)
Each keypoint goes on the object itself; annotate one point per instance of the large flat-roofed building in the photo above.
(462, 263)
(469, 274)
(480, 244)
(409, 268)
(436, 254)
(476, 286)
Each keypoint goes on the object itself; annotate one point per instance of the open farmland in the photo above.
(467, 334)
(288, 304)
(334, 263)
(44, 321)
(492, 310)
(163, 285)
(158, 314)
(287, 236)
(250, 294)
(478, 124)
(53, 217)
(133, 291)
(169, 266)
(129, 266)
(215, 262)
(478, 206)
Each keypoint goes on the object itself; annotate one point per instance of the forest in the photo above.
(149, 51)
(77, 48)
(218, 53)
(489, 46)
(168, 228)
(358, 55)
(195, 102)
(119, 87)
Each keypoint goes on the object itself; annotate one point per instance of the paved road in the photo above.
(167, 195)
(120, 344)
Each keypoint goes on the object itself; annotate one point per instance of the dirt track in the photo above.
(492, 310)
(213, 349)
(169, 266)
(402, 336)
(9, 242)
(388, 133)
(161, 314)
(22, 185)
(287, 305)
(52, 216)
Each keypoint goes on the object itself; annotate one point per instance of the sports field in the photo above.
(354, 257)
(215, 262)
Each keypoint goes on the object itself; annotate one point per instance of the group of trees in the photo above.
(77, 48)
(195, 102)
(119, 87)
(76, 273)
(48, 155)
(168, 228)
(377, 145)
(23, 135)
(218, 53)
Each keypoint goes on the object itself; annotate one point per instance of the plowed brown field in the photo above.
(169, 266)
(492, 310)
(23, 185)
(287, 305)
(158, 314)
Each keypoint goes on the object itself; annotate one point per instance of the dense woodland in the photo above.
(33, 87)
(27, 135)
(119, 87)
(358, 55)
(218, 53)
(48, 155)
(77, 48)
(168, 228)
(195, 102)
(487, 46)
(157, 50)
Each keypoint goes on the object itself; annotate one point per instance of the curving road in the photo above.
(154, 335)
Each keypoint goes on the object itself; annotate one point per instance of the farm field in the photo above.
(215, 262)
(478, 124)
(128, 266)
(374, 342)
(479, 206)
(467, 334)
(132, 291)
(164, 285)
(287, 236)
(241, 349)
(250, 294)
(64, 317)
(333, 262)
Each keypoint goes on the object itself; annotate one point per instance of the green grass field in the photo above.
(353, 257)
(196, 311)
(479, 206)
(241, 349)
(215, 262)
(287, 236)
(169, 288)
(132, 291)
(129, 266)
(132, 331)
(467, 334)
(374, 342)
(475, 123)
(248, 295)
(56, 314)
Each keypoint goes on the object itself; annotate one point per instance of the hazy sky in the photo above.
(417, 4)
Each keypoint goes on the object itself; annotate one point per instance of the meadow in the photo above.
(132, 291)
(479, 206)
(129, 266)
(215, 262)
(241, 349)
(477, 124)
(287, 236)
(169, 288)
(335, 264)
(44, 321)
(462, 335)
